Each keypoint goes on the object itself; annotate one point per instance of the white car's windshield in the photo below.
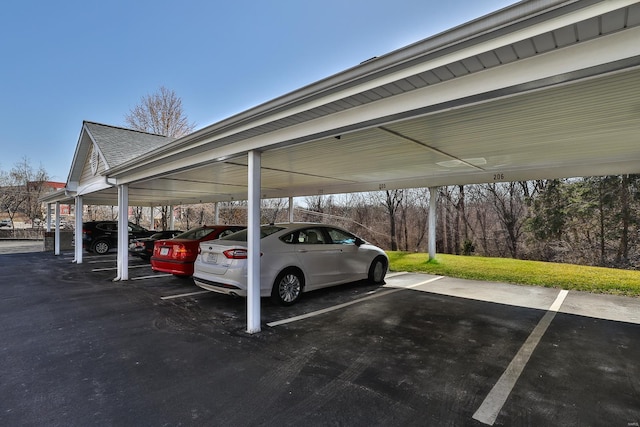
(241, 236)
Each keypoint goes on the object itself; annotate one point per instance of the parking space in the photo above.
(78, 348)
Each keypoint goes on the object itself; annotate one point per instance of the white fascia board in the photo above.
(96, 184)
(61, 195)
(79, 153)
(615, 47)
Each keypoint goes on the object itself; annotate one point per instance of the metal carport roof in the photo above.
(541, 89)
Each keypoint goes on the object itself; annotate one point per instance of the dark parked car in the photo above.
(101, 236)
(5, 223)
(143, 247)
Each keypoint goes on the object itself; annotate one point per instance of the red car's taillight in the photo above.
(235, 253)
(181, 252)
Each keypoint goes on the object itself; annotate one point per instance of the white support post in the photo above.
(290, 209)
(433, 204)
(78, 230)
(216, 217)
(57, 233)
(123, 233)
(172, 221)
(152, 222)
(253, 242)
(48, 217)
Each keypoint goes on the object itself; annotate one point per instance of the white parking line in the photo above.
(115, 268)
(185, 295)
(396, 273)
(415, 285)
(150, 277)
(495, 400)
(346, 304)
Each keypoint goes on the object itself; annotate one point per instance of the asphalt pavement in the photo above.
(20, 246)
(78, 349)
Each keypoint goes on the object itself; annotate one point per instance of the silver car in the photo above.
(296, 258)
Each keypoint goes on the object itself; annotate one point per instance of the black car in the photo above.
(143, 247)
(101, 236)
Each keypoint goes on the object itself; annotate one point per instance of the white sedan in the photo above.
(296, 258)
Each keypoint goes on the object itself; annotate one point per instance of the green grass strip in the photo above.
(552, 275)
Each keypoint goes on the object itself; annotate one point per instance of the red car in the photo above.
(177, 255)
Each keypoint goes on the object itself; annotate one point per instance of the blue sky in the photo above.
(67, 61)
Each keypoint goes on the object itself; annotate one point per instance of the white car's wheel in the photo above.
(378, 270)
(287, 288)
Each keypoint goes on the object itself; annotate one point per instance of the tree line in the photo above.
(587, 221)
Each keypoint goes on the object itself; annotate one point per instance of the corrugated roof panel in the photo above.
(311, 114)
(458, 69)
(346, 103)
(565, 126)
(633, 15)
(394, 88)
(360, 99)
(371, 147)
(491, 59)
(614, 21)
(382, 92)
(405, 85)
(544, 43)
(565, 36)
(588, 29)
(473, 64)
(331, 108)
(368, 96)
(356, 100)
(524, 49)
(417, 81)
(430, 77)
(443, 73)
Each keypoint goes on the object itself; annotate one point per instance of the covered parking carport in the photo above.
(538, 90)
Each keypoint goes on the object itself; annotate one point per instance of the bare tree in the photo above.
(419, 200)
(392, 201)
(160, 113)
(508, 201)
(20, 189)
(12, 195)
(273, 209)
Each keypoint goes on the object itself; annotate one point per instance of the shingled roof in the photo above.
(120, 145)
